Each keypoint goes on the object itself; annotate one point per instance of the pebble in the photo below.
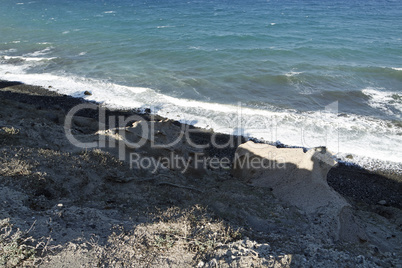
(382, 202)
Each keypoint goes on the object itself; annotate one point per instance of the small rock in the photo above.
(360, 259)
(382, 202)
(349, 156)
(362, 239)
(248, 243)
(87, 93)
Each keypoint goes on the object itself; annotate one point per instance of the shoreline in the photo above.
(90, 191)
(361, 138)
(44, 98)
(375, 165)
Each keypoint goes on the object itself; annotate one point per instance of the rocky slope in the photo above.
(64, 206)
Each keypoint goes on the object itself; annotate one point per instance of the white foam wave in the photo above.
(396, 69)
(27, 58)
(360, 135)
(387, 101)
(289, 74)
(363, 136)
(165, 26)
(11, 50)
(109, 12)
(104, 92)
(38, 53)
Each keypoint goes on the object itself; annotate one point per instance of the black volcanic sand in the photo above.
(357, 185)
(86, 208)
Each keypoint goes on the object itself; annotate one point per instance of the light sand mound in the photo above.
(299, 179)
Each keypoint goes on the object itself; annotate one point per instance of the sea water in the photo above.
(302, 73)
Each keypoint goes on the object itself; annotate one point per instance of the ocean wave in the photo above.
(11, 50)
(165, 26)
(28, 60)
(23, 58)
(387, 101)
(292, 73)
(41, 52)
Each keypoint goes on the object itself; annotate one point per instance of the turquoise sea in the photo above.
(303, 73)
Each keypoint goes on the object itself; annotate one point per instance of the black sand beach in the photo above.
(82, 207)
